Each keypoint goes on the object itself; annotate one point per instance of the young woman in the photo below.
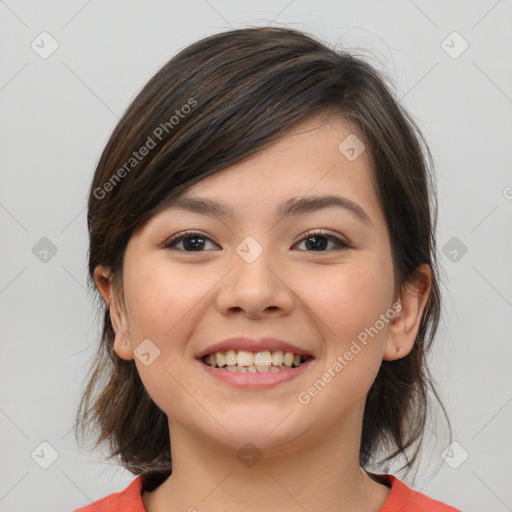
(262, 234)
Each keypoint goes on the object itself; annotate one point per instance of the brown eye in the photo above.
(193, 241)
(318, 241)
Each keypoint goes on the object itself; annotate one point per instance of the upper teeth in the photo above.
(246, 358)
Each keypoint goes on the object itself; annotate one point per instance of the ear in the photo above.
(122, 341)
(404, 327)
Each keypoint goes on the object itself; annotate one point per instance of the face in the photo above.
(320, 279)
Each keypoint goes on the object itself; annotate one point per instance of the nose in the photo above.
(258, 288)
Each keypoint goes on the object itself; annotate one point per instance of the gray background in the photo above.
(56, 115)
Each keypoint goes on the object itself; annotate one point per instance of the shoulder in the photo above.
(405, 499)
(129, 500)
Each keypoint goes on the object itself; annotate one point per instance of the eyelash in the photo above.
(339, 243)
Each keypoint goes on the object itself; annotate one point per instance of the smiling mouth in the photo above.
(244, 361)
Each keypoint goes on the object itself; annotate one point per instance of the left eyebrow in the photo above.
(306, 204)
(292, 206)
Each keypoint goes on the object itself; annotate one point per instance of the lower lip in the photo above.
(256, 380)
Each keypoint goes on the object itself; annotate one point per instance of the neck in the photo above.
(324, 475)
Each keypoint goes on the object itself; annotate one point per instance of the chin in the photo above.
(266, 431)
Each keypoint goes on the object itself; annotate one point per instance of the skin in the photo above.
(318, 299)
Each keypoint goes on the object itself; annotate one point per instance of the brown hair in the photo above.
(216, 102)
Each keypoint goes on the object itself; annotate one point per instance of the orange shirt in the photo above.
(401, 498)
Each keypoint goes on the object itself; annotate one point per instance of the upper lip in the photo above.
(252, 345)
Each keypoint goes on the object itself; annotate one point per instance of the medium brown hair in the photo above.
(215, 103)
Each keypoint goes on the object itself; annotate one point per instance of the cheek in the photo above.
(347, 298)
(364, 336)
(354, 337)
(165, 305)
(161, 300)
(351, 302)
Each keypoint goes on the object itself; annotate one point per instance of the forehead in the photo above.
(307, 169)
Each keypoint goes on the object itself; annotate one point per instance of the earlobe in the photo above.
(122, 345)
(404, 327)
